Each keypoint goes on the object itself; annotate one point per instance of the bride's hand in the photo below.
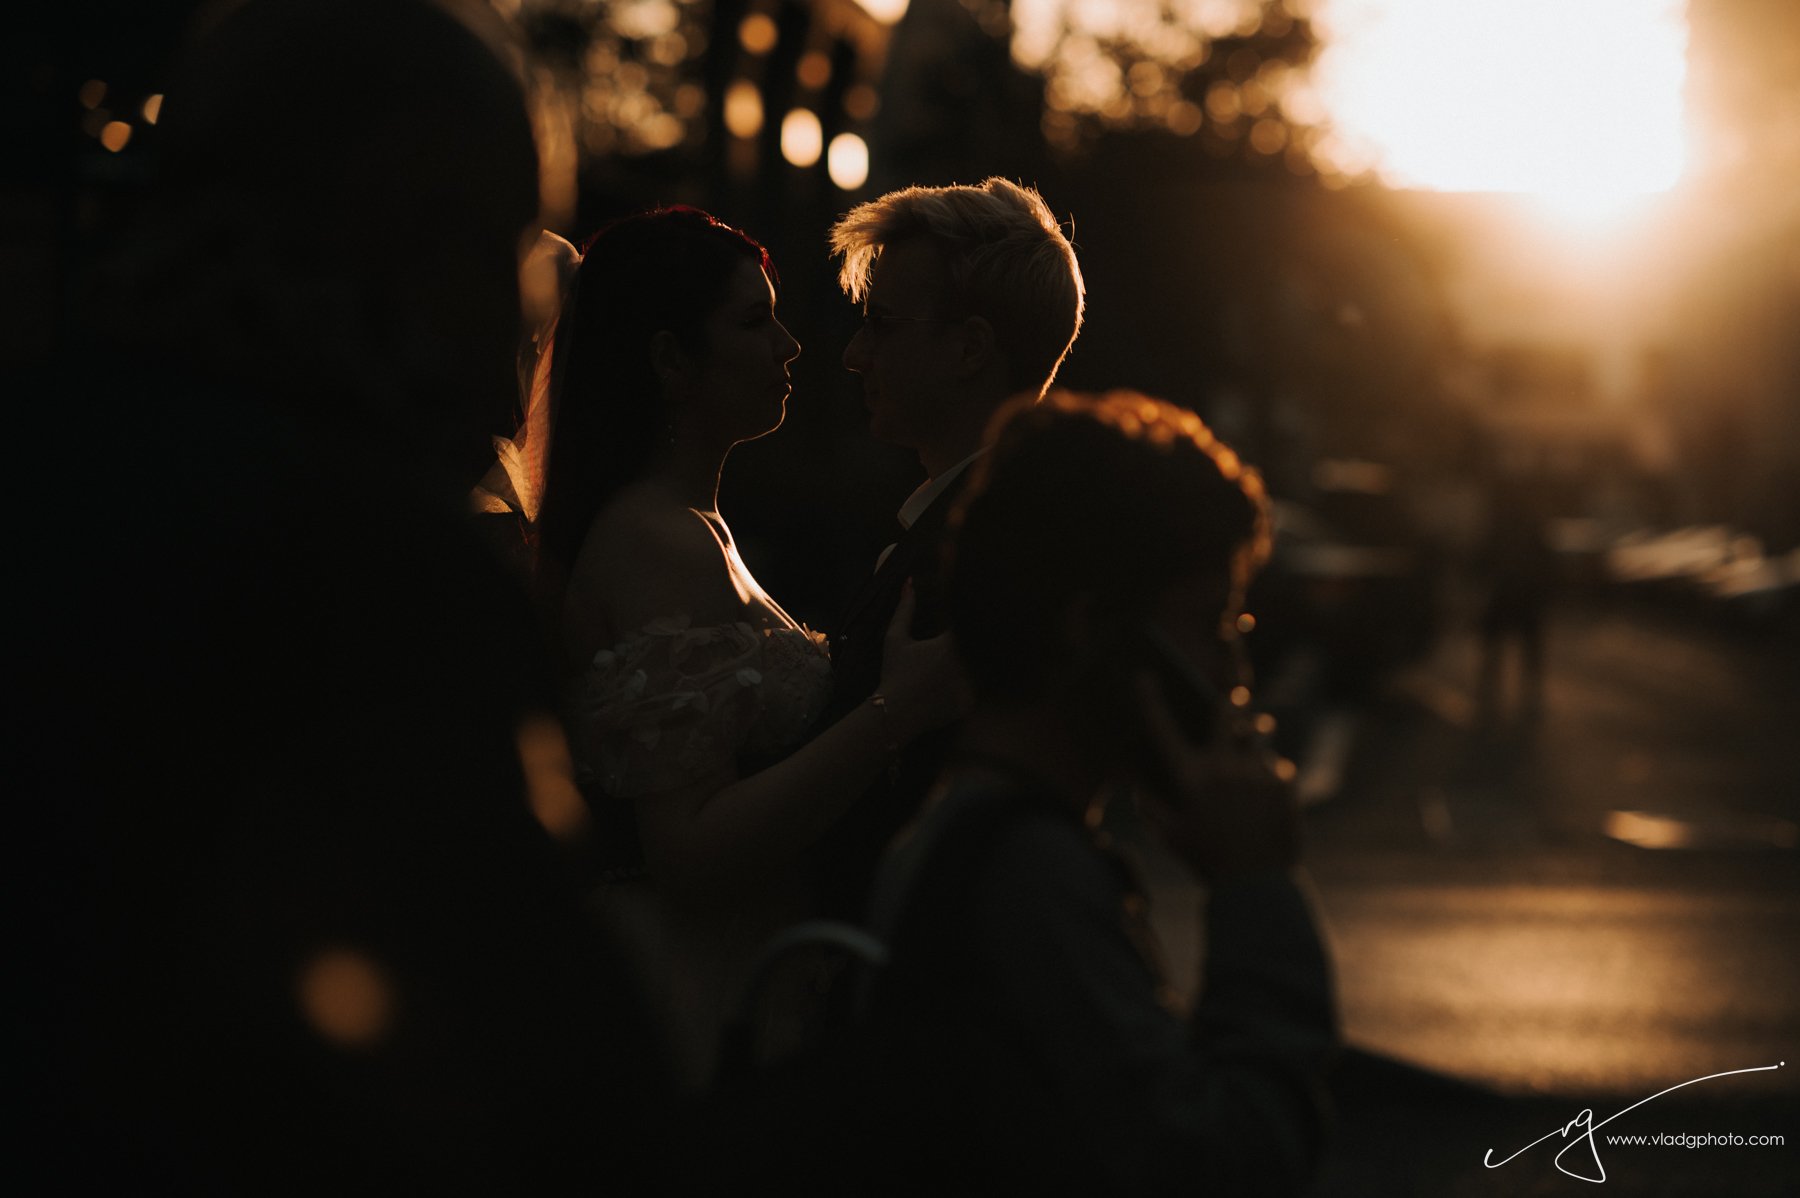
(921, 678)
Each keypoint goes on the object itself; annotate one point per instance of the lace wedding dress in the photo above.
(671, 704)
(667, 706)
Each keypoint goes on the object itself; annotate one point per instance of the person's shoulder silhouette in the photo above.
(311, 926)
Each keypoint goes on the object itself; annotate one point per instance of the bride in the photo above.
(692, 693)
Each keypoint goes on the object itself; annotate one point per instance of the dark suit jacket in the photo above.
(845, 859)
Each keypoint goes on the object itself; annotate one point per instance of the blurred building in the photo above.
(1727, 370)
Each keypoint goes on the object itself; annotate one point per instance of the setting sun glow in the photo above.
(1579, 104)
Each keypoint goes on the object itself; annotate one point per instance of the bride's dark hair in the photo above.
(665, 269)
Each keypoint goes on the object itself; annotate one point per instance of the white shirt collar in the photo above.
(931, 488)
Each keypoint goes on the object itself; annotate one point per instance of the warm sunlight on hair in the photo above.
(1578, 102)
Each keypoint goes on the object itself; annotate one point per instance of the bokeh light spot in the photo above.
(1186, 118)
(669, 50)
(802, 138)
(346, 997)
(644, 19)
(743, 109)
(1222, 102)
(660, 131)
(1267, 136)
(861, 102)
(888, 12)
(690, 100)
(847, 160)
(813, 70)
(757, 33)
(115, 135)
(632, 76)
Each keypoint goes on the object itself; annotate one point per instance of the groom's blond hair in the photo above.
(1007, 258)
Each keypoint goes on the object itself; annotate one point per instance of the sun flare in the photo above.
(1575, 102)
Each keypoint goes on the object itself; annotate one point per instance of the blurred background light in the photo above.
(888, 12)
(813, 70)
(91, 94)
(690, 100)
(1268, 136)
(743, 109)
(115, 135)
(1222, 101)
(152, 108)
(645, 18)
(669, 50)
(847, 160)
(757, 33)
(802, 139)
(346, 997)
(861, 102)
(660, 131)
(1580, 104)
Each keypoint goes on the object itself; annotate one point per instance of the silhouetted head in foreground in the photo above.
(1092, 519)
(306, 925)
(1099, 560)
(338, 220)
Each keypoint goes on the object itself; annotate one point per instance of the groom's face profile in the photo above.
(906, 348)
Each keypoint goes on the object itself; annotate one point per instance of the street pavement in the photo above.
(1536, 912)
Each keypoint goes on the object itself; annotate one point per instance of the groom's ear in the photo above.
(668, 359)
(979, 347)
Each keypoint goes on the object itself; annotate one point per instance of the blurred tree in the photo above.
(680, 90)
(1230, 74)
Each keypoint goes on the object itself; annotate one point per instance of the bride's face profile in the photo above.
(740, 384)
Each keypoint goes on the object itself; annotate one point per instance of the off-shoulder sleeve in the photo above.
(667, 706)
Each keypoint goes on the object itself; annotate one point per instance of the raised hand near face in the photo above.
(1226, 806)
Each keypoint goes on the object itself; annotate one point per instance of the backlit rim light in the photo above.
(1577, 103)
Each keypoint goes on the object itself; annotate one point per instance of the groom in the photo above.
(971, 296)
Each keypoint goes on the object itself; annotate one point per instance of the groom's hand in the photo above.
(922, 678)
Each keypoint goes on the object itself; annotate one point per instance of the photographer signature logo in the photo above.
(1585, 1121)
